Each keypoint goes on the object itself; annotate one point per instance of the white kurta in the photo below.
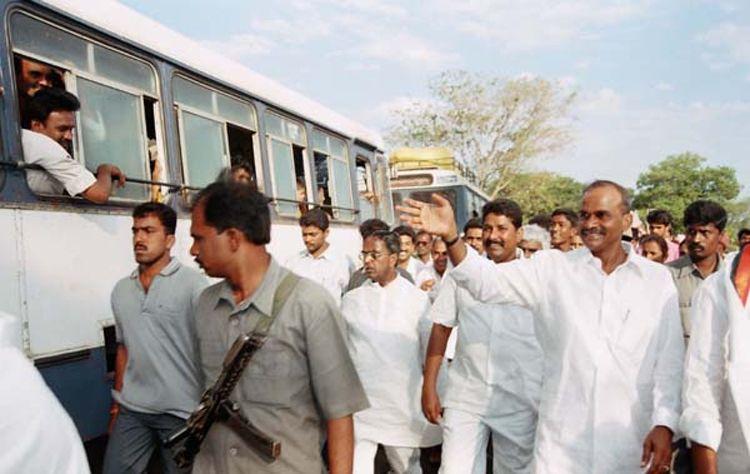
(717, 373)
(36, 433)
(497, 366)
(330, 270)
(428, 274)
(613, 352)
(387, 328)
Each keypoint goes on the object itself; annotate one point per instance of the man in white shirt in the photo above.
(495, 376)
(387, 324)
(428, 280)
(473, 234)
(716, 393)
(48, 143)
(36, 433)
(423, 249)
(406, 259)
(319, 262)
(608, 323)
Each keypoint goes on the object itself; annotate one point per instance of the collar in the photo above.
(262, 297)
(325, 255)
(632, 260)
(694, 269)
(169, 269)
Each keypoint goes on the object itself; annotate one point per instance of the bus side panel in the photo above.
(83, 389)
(11, 269)
(73, 261)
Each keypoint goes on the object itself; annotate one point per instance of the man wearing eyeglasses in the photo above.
(423, 248)
(387, 324)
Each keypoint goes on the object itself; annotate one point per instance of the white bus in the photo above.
(163, 109)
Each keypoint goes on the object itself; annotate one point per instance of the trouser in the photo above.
(133, 440)
(403, 460)
(465, 437)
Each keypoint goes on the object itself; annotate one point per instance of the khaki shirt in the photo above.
(300, 378)
(687, 278)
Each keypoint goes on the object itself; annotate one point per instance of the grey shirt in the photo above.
(687, 278)
(300, 378)
(158, 330)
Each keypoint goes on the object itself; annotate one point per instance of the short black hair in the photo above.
(473, 223)
(315, 217)
(369, 226)
(48, 100)
(405, 230)
(166, 214)
(742, 232)
(568, 213)
(660, 241)
(704, 212)
(542, 220)
(505, 207)
(660, 216)
(238, 206)
(390, 239)
(605, 183)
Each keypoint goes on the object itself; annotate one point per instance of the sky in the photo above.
(653, 78)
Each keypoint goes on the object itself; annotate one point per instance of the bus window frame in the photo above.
(179, 107)
(336, 207)
(368, 170)
(278, 200)
(70, 74)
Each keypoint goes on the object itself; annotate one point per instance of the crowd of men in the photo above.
(560, 344)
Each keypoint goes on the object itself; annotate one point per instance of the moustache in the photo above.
(490, 242)
(140, 247)
(593, 231)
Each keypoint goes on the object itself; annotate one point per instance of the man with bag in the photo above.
(300, 387)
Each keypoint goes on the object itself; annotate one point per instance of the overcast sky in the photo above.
(654, 77)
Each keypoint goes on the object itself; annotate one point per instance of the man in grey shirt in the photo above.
(704, 224)
(301, 387)
(156, 374)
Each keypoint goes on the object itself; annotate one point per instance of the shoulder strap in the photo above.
(280, 296)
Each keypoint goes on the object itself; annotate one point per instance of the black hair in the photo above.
(742, 232)
(660, 241)
(166, 214)
(660, 216)
(49, 100)
(238, 206)
(390, 239)
(504, 207)
(473, 223)
(542, 220)
(367, 227)
(605, 183)
(405, 230)
(423, 232)
(704, 212)
(568, 213)
(316, 217)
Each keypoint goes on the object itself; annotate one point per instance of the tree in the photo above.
(493, 125)
(541, 193)
(678, 180)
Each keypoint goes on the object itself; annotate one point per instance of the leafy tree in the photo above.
(543, 192)
(678, 180)
(494, 126)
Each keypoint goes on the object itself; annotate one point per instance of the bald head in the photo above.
(621, 191)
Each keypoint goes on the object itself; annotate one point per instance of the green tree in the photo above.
(495, 126)
(678, 180)
(543, 192)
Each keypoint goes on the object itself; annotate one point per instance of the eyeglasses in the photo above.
(373, 255)
(422, 243)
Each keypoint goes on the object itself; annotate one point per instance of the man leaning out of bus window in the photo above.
(48, 143)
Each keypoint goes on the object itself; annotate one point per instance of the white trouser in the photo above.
(403, 460)
(465, 437)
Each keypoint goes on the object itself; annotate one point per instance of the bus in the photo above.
(172, 115)
(416, 173)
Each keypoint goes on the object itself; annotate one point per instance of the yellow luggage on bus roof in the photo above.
(421, 158)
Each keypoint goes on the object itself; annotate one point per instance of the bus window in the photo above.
(286, 151)
(332, 175)
(114, 90)
(383, 186)
(216, 131)
(367, 198)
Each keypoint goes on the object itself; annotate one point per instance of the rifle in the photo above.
(215, 405)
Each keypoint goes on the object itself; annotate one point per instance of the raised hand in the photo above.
(436, 218)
